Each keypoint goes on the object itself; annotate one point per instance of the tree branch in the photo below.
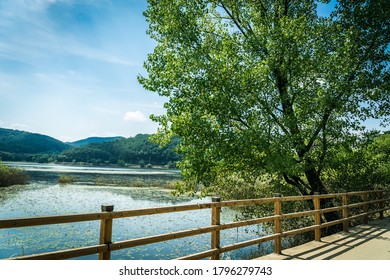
(240, 120)
(247, 31)
(230, 14)
(297, 182)
(323, 152)
(286, 7)
(273, 116)
(263, 7)
(324, 120)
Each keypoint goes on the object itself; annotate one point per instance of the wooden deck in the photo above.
(364, 242)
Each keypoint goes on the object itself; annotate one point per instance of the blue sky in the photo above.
(68, 68)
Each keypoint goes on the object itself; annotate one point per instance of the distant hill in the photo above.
(133, 150)
(16, 141)
(91, 140)
(18, 145)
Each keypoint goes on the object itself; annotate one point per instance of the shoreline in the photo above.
(81, 164)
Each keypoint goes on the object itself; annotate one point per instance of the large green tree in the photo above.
(266, 86)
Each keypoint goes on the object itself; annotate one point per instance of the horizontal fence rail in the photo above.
(380, 200)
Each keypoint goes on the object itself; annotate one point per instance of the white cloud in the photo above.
(136, 116)
(19, 126)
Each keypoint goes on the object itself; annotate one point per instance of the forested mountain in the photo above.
(25, 146)
(91, 140)
(133, 150)
(15, 141)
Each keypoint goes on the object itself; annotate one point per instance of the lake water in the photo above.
(94, 187)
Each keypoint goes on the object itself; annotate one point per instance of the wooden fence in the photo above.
(378, 200)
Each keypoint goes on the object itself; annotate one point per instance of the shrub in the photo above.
(12, 176)
(101, 181)
(65, 179)
(138, 184)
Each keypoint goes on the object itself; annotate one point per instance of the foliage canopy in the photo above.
(266, 87)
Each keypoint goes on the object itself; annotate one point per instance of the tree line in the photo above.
(136, 150)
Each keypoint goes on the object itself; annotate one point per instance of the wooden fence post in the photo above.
(277, 223)
(317, 216)
(106, 232)
(345, 212)
(215, 220)
(365, 208)
(381, 204)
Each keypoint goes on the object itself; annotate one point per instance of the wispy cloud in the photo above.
(136, 116)
(69, 67)
(78, 49)
(30, 36)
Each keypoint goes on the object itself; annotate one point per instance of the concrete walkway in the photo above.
(363, 242)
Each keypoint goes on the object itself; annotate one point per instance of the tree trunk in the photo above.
(316, 185)
(314, 180)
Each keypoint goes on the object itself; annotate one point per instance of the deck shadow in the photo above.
(333, 246)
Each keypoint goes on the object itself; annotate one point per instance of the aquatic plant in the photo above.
(137, 183)
(12, 176)
(102, 181)
(65, 179)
